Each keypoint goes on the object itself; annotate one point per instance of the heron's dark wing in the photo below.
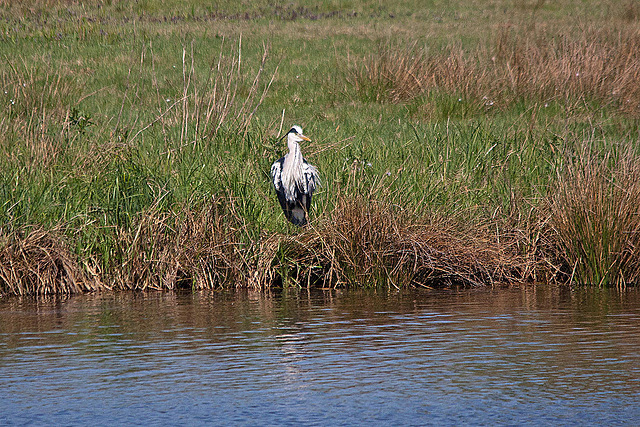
(295, 211)
(311, 178)
(292, 210)
(276, 174)
(310, 181)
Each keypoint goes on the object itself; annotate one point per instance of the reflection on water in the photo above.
(510, 356)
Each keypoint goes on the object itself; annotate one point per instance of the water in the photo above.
(510, 356)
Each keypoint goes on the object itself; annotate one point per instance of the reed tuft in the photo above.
(373, 242)
(195, 248)
(38, 261)
(595, 216)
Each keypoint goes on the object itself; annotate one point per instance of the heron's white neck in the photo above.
(293, 145)
(295, 155)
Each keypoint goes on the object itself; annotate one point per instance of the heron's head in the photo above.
(295, 135)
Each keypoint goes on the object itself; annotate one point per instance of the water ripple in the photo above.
(416, 358)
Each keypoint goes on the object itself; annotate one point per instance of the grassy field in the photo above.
(459, 143)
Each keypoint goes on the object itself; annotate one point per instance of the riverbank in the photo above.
(137, 140)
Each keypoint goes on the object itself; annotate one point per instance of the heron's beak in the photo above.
(304, 137)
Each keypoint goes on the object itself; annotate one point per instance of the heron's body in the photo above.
(294, 180)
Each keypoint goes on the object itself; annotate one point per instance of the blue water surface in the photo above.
(516, 356)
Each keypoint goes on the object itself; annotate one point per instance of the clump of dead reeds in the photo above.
(37, 261)
(594, 216)
(392, 75)
(194, 248)
(198, 247)
(372, 242)
(589, 235)
(595, 65)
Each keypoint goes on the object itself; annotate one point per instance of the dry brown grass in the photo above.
(392, 75)
(362, 242)
(594, 217)
(195, 249)
(39, 262)
(589, 233)
(371, 242)
(601, 65)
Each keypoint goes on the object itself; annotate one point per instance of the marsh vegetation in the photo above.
(459, 143)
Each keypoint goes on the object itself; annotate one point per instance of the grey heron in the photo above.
(294, 179)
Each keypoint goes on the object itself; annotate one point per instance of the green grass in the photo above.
(112, 113)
